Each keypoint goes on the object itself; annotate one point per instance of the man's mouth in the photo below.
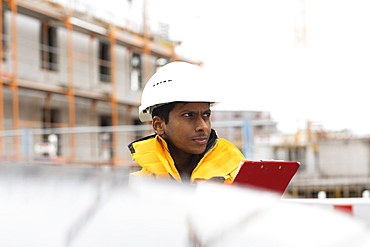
(201, 140)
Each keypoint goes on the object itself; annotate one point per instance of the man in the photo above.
(184, 146)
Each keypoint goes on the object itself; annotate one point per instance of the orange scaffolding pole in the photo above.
(70, 92)
(14, 81)
(146, 48)
(1, 77)
(114, 96)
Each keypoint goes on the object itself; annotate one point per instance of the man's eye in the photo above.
(207, 114)
(187, 115)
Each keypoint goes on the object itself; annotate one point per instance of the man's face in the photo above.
(188, 128)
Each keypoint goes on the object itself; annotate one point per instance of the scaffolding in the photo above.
(92, 143)
(54, 15)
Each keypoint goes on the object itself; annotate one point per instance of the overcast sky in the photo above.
(248, 48)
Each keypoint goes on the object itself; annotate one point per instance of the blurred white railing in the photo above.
(89, 145)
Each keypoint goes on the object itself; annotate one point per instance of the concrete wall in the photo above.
(344, 157)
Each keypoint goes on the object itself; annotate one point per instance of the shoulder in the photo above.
(227, 146)
(143, 142)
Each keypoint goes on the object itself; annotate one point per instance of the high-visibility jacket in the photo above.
(221, 159)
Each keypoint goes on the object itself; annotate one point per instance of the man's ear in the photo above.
(158, 125)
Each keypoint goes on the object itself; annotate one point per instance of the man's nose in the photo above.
(202, 124)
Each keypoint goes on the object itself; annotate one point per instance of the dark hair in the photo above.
(163, 111)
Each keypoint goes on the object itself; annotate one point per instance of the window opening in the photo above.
(105, 139)
(104, 62)
(49, 52)
(49, 118)
(136, 72)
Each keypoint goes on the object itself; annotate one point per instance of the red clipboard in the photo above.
(269, 175)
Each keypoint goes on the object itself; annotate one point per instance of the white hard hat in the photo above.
(176, 81)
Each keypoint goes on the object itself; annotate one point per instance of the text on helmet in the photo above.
(158, 83)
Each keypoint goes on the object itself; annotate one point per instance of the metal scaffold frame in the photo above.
(65, 17)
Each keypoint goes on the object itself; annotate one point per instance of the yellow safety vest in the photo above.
(221, 160)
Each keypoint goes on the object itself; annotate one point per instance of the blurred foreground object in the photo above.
(100, 206)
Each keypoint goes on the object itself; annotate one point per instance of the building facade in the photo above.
(61, 67)
(337, 163)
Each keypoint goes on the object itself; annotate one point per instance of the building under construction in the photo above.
(63, 68)
(71, 83)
